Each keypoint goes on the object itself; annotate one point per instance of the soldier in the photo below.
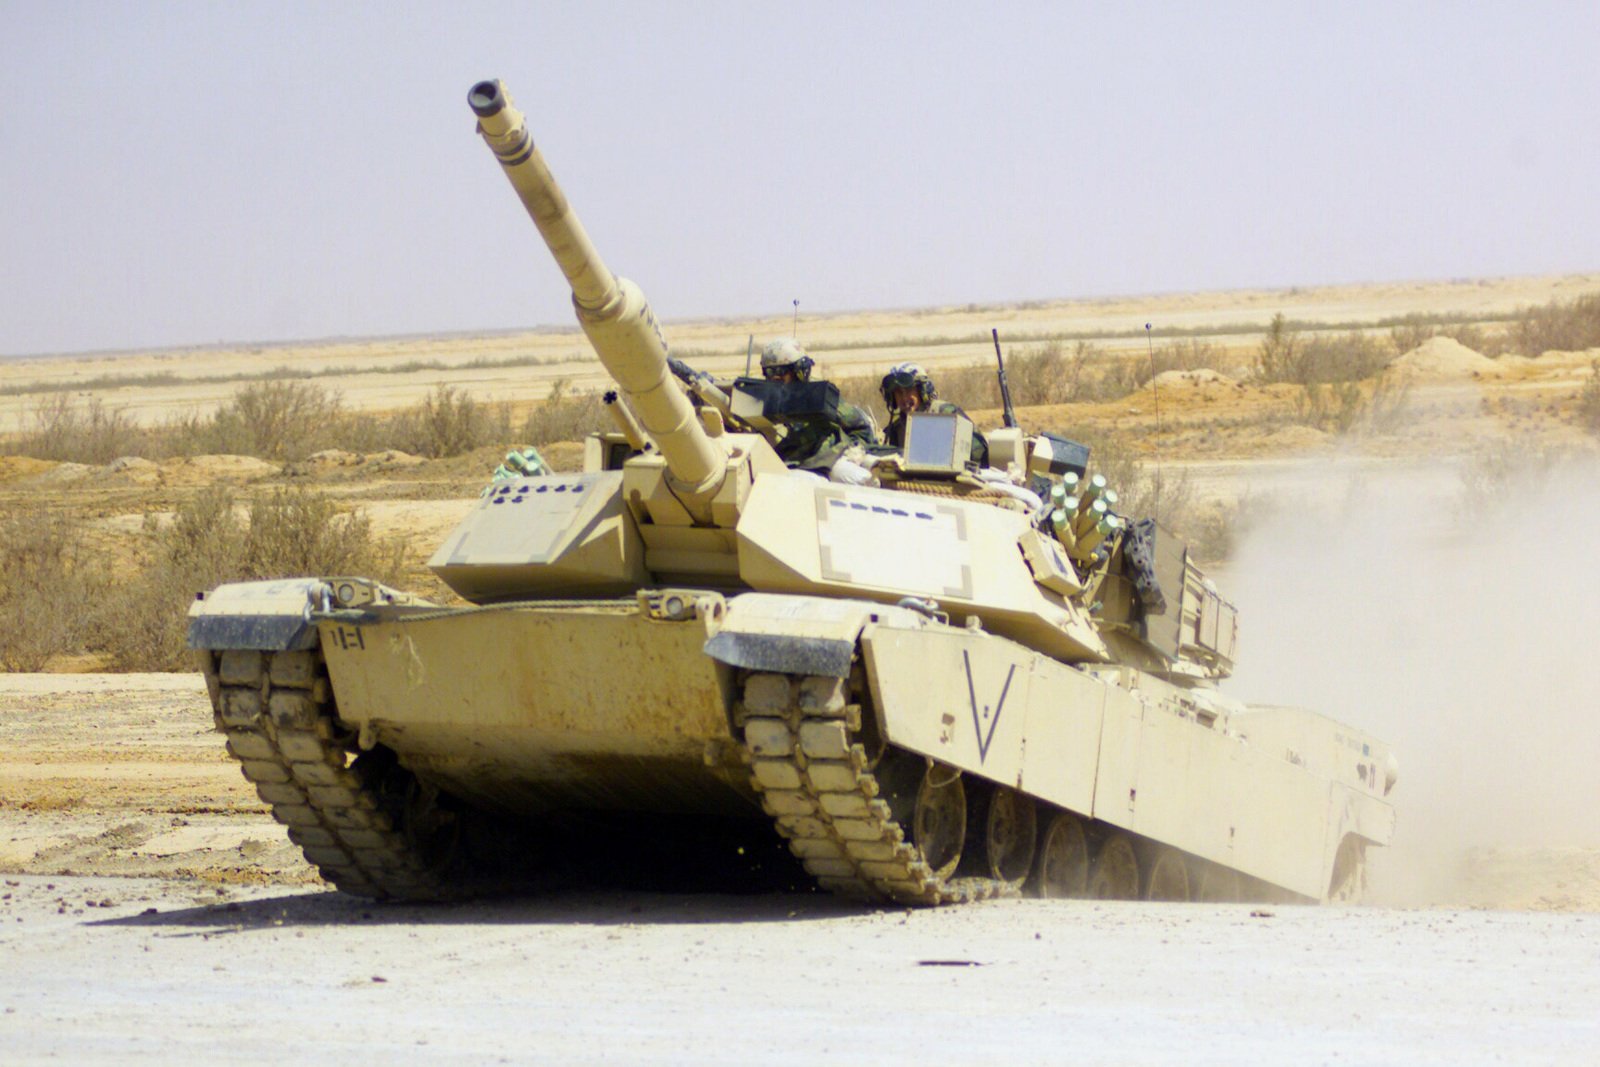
(907, 389)
(818, 445)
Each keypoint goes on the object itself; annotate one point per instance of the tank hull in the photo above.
(534, 709)
(655, 705)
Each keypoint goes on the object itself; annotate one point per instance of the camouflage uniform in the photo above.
(817, 444)
(909, 375)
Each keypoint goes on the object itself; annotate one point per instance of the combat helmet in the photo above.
(908, 376)
(786, 354)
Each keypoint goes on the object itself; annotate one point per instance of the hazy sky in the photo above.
(188, 173)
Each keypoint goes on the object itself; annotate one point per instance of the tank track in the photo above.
(349, 816)
(812, 771)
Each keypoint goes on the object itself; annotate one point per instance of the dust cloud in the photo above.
(1465, 631)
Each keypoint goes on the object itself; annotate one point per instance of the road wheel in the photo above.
(1214, 884)
(939, 821)
(1005, 825)
(1116, 871)
(1063, 865)
(1169, 876)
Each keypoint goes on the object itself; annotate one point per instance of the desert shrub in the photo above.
(974, 386)
(1502, 470)
(1285, 355)
(209, 541)
(1343, 407)
(1481, 339)
(862, 391)
(44, 587)
(1342, 357)
(1050, 374)
(1568, 326)
(364, 432)
(447, 422)
(1276, 355)
(1589, 400)
(273, 420)
(59, 428)
(563, 416)
(1412, 331)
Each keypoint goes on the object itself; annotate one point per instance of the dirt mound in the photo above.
(1193, 379)
(391, 458)
(1444, 358)
(208, 470)
(134, 470)
(14, 468)
(332, 457)
(1298, 438)
(331, 464)
(61, 473)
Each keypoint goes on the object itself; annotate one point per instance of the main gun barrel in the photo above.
(612, 311)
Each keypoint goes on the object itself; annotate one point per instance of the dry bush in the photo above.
(208, 542)
(1046, 374)
(448, 422)
(59, 429)
(44, 587)
(1285, 355)
(1343, 407)
(1481, 339)
(862, 391)
(563, 416)
(1566, 326)
(281, 420)
(1411, 332)
(1589, 400)
(1276, 355)
(1502, 469)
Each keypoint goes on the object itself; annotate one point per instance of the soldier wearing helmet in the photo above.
(785, 360)
(820, 445)
(909, 390)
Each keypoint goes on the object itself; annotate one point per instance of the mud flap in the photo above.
(274, 616)
(782, 654)
(795, 634)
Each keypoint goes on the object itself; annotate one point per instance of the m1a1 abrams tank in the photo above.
(952, 684)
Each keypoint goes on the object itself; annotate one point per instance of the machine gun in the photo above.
(1009, 413)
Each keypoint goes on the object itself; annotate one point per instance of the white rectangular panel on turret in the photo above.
(907, 543)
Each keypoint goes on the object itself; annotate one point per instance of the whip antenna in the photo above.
(794, 327)
(1155, 396)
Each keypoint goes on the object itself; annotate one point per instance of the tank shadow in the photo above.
(323, 908)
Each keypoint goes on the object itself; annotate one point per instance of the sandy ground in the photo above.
(102, 970)
(151, 910)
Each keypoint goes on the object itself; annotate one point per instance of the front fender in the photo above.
(273, 616)
(798, 634)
